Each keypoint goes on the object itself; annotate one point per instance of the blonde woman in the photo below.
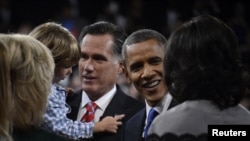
(30, 74)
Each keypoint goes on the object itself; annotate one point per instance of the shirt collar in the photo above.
(103, 101)
(162, 105)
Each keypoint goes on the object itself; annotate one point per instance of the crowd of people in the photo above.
(22, 16)
(195, 77)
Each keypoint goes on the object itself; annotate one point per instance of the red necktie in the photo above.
(90, 112)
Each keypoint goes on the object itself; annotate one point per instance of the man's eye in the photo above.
(155, 61)
(83, 56)
(135, 67)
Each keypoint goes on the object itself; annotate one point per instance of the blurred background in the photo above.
(21, 16)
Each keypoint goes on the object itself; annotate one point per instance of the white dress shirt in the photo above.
(102, 104)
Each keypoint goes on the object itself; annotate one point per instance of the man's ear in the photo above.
(126, 75)
(124, 70)
(121, 67)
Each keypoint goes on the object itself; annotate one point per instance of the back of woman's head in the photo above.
(202, 62)
(31, 72)
(5, 94)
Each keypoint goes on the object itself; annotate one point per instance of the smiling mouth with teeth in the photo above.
(151, 84)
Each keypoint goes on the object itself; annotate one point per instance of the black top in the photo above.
(174, 137)
(35, 134)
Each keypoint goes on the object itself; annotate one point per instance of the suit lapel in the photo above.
(115, 106)
(136, 122)
(139, 124)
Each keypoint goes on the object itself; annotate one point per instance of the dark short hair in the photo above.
(103, 27)
(141, 36)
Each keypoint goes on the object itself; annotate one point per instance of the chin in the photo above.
(88, 88)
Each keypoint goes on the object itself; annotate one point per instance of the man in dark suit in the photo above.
(143, 60)
(99, 66)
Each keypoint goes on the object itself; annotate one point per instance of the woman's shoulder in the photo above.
(190, 109)
(188, 117)
(35, 134)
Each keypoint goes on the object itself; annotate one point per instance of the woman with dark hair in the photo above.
(203, 72)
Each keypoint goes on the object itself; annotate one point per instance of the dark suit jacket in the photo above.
(120, 104)
(133, 129)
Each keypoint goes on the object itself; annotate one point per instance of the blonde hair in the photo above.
(5, 94)
(63, 45)
(31, 73)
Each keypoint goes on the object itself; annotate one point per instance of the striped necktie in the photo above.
(90, 112)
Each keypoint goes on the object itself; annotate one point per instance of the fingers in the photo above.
(119, 117)
(111, 124)
(114, 130)
(119, 123)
